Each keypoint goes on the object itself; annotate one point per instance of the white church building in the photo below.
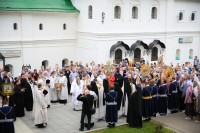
(49, 32)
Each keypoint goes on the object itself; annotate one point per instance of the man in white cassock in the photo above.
(64, 90)
(76, 90)
(40, 119)
(53, 91)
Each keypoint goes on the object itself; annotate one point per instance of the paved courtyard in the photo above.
(62, 119)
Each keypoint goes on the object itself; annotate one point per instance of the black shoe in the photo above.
(81, 129)
(113, 125)
(149, 119)
(109, 125)
(88, 128)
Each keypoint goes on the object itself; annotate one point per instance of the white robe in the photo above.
(101, 111)
(76, 90)
(125, 108)
(47, 97)
(53, 91)
(40, 108)
(64, 90)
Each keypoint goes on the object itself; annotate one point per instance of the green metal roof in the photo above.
(38, 5)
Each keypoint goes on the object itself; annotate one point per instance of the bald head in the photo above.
(86, 92)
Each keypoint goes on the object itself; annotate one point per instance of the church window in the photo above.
(117, 12)
(180, 16)
(137, 54)
(40, 26)
(154, 54)
(64, 26)
(90, 12)
(15, 26)
(45, 64)
(154, 13)
(178, 52)
(65, 62)
(134, 12)
(193, 16)
(191, 54)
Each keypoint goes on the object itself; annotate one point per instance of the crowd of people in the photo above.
(103, 91)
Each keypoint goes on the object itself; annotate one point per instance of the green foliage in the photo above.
(159, 128)
(148, 127)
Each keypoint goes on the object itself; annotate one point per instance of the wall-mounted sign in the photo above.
(185, 40)
(11, 53)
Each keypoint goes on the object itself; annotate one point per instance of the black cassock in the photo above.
(119, 96)
(111, 107)
(127, 89)
(28, 96)
(119, 79)
(6, 117)
(173, 102)
(105, 86)
(19, 101)
(95, 89)
(134, 116)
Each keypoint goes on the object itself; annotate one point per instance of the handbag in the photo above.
(92, 110)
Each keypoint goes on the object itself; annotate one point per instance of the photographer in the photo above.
(87, 100)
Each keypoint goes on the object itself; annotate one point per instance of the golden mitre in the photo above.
(168, 74)
(145, 70)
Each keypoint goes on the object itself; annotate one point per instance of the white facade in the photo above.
(91, 39)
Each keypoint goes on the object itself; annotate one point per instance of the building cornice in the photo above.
(110, 36)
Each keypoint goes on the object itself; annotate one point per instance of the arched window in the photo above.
(178, 53)
(15, 26)
(117, 12)
(154, 54)
(45, 64)
(191, 54)
(65, 62)
(134, 12)
(180, 16)
(90, 12)
(64, 26)
(193, 16)
(40, 26)
(154, 13)
(137, 54)
(118, 55)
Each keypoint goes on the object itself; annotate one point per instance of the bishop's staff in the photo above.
(160, 64)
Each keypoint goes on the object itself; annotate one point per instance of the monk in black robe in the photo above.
(127, 88)
(119, 96)
(19, 99)
(95, 89)
(118, 78)
(134, 116)
(28, 96)
(106, 87)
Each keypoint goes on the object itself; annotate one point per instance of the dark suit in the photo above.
(87, 104)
